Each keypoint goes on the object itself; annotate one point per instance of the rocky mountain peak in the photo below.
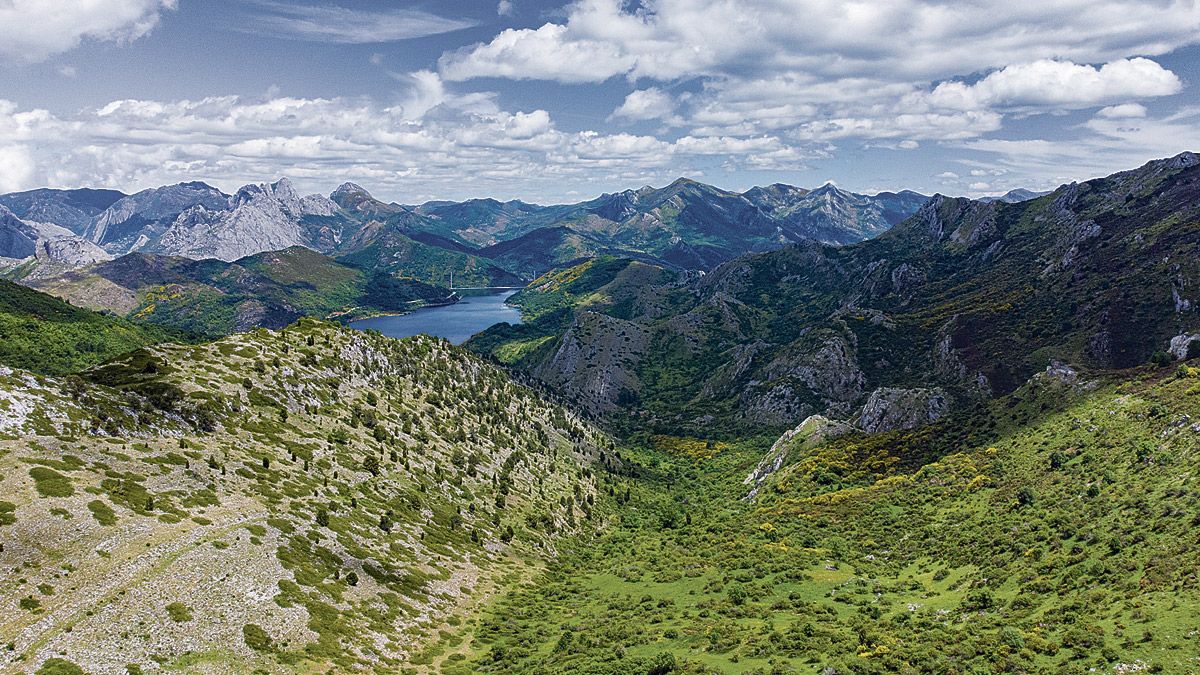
(347, 189)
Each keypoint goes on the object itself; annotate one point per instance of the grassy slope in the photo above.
(1055, 535)
(46, 335)
(213, 506)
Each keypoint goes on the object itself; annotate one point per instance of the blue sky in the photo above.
(553, 101)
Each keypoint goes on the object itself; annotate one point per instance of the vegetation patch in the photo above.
(50, 483)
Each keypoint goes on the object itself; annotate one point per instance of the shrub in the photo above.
(256, 638)
(179, 612)
(102, 512)
(57, 666)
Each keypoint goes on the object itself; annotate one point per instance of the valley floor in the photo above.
(1060, 537)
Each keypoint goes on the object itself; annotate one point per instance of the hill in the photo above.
(965, 297)
(45, 335)
(310, 499)
(213, 297)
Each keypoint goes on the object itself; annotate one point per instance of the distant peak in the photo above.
(349, 188)
(1184, 160)
(828, 188)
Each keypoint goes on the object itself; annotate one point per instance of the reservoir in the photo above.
(456, 322)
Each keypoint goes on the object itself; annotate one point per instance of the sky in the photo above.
(548, 101)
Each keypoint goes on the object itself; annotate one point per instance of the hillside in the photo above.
(305, 500)
(603, 284)
(1050, 531)
(967, 298)
(45, 335)
(212, 297)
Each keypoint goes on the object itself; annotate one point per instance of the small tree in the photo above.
(1026, 496)
(371, 465)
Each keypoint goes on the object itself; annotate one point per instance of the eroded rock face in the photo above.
(266, 217)
(831, 370)
(595, 361)
(48, 243)
(823, 376)
(70, 250)
(890, 409)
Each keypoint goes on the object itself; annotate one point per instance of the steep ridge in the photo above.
(265, 217)
(133, 221)
(310, 499)
(38, 243)
(688, 225)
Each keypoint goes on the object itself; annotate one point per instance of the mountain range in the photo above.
(966, 444)
(963, 300)
(686, 224)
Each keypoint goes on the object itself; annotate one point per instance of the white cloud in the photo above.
(1099, 147)
(16, 168)
(427, 92)
(504, 8)
(914, 40)
(1124, 110)
(424, 145)
(34, 30)
(68, 71)
(343, 25)
(1058, 84)
(540, 54)
(816, 71)
(646, 104)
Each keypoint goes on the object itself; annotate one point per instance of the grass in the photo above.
(102, 512)
(50, 483)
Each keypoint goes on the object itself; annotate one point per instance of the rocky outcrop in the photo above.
(889, 409)
(829, 369)
(147, 213)
(45, 242)
(949, 366)
(817, 374)
(266, 217)
(810, 433)
(595, 361)
(1185, 345)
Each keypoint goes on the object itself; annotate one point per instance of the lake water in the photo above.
(456, 322)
